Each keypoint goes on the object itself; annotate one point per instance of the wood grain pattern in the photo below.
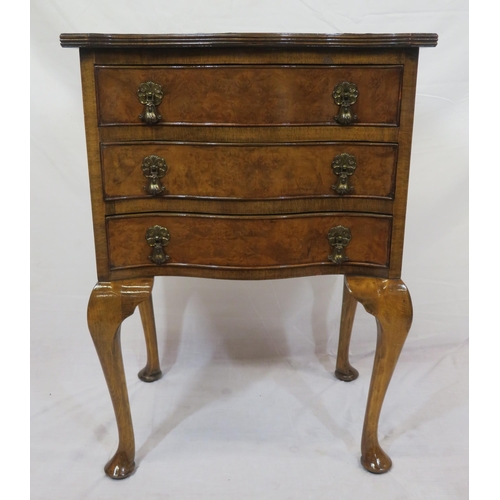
(389, 301)
(249, 95)
(241, 206)
(87, 62)
(237, 40)
(199, 56)
(248, 242)
(403, 172)
(109, 305)
(249, 134)
(241, 171)
(247, 273)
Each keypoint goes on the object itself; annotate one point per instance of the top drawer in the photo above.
(247, 95)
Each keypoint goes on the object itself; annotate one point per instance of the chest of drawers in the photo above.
(248, 156)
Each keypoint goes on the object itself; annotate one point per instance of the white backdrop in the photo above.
(247, 407)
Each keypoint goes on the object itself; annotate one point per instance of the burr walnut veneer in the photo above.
(248, 156)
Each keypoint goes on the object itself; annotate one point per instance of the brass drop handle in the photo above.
(343, 166)
(345, 95)
(154, 168)
(339, 237)
(157, 238)
(150, 95)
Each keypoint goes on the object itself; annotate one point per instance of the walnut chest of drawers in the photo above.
(248, 156)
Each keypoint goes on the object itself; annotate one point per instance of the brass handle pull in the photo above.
(343, 166)
(157, 238)
(339, 237)
(154, 168)
(345, 95)
(150, 95)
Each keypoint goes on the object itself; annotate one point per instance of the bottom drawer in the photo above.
(250, 242)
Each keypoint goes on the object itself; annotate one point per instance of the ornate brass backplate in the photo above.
(158, 237)
(150, 95)
(339, 237)
(154, 168)
(345, 95)
(343, 166)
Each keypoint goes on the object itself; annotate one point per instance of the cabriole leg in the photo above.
(389, 301)
(110, 303)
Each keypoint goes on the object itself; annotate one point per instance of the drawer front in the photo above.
(247, 95)
(239, 171)
(160, 240)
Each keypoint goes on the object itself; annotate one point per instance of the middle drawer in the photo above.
(250, 172)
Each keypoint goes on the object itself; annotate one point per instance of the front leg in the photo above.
(110, 303)
(389, 301)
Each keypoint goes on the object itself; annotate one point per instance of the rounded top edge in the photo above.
(367, 40)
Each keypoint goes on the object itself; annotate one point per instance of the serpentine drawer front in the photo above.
(248, 242)
(280, 95)
(248, 156)
(243, 171)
